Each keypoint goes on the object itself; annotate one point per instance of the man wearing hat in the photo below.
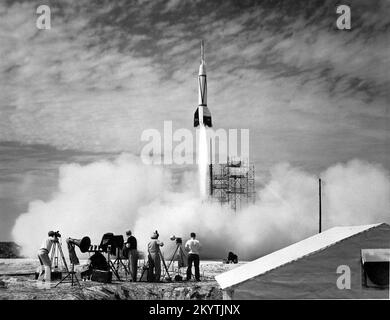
(132, 253)
(43, 256)
(154, 261)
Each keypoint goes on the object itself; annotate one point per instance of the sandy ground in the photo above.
(15, 286)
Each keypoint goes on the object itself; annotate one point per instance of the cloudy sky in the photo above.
(311, 94)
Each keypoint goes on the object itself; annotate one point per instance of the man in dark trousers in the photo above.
(193, 247)
(131, 246)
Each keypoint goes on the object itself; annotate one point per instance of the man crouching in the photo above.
(43, 256)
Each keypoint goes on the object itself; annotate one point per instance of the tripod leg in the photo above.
(74, 277)
(63, 279)
(53, 254)
(173, 257)
(165, 266)
(63, 257)
(71, 274)
(124, 266)
(112, 267)
(144, 269)
(117, 265)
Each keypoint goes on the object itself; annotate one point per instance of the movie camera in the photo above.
(111, 243)
(57, 234)
(178, 255)
(178, 240)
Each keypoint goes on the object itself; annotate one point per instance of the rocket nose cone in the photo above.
(202, 69)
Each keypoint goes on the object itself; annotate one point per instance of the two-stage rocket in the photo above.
(202, 114)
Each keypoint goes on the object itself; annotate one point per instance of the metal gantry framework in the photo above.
(233, 183)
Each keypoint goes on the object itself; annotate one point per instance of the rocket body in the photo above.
(202, 114)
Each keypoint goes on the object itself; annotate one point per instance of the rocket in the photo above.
(202, 116)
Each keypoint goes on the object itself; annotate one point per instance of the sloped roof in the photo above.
(289, 254)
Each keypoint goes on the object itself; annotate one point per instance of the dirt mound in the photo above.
(16, 284)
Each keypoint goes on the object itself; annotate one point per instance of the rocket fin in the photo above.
(196, 118)
(206, 117)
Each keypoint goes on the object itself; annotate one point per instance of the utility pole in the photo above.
(211, 169)
(320, 213)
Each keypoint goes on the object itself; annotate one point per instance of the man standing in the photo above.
(154, 261)
(131, 246)
(193, 246)
(43, 256)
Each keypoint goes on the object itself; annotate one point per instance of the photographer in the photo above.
(132, 255)
(154, 261)
(43, 255)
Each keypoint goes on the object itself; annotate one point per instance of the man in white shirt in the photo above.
(193, 247)
(43, 256)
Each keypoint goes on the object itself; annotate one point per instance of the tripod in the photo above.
(146, 267)
(71, 274)
(118, 262)
(182, 256)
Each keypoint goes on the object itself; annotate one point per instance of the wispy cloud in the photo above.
(104, 73)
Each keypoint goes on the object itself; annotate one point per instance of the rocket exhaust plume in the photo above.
(202, 119)
(116, 195)
(202, 162)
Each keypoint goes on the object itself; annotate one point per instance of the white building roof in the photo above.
(288, 254)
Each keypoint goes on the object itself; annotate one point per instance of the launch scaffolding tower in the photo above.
(233, 183)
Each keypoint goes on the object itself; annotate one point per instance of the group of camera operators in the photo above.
(192, 246)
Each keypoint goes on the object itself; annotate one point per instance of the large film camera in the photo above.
(110, 243)
(178, 240)
(57, 234)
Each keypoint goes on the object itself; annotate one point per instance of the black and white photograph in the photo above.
(202, 150)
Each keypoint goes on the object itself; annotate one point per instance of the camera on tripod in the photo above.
(55, 234)
(179, 255)
(178, 240)
(112, 243)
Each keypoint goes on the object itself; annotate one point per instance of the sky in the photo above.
(310, 94)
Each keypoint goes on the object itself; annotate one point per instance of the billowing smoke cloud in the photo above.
(113, 196)
(356, 192)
